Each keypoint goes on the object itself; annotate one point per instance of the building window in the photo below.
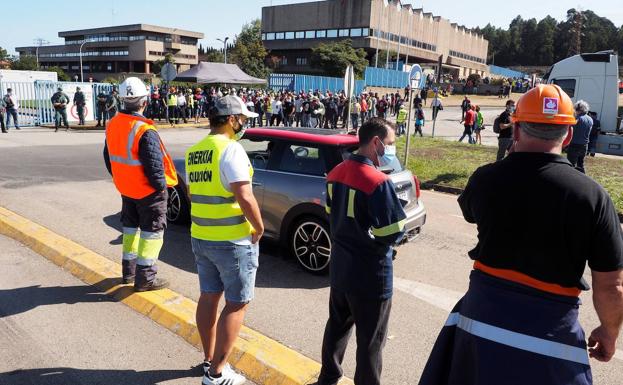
(365, 31)
(300, 35)
(332, 33)
(355, 32)
(310, 34)
(283, 61)
(263, 36)
(279, 36)
(343, 33)
(321, 33)
(289, 35)
(301, 61)
(270, 36)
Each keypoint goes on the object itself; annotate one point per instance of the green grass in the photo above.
(447, 163)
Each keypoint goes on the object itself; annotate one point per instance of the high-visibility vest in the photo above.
(402, 116)
(123, 135)
(172, 100)
(214, 211)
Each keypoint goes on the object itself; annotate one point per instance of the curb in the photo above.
(261, 359)
(203, 125)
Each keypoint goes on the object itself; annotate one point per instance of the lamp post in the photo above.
(378, 34)
(81, 72)
(224, 47)
(399, 34)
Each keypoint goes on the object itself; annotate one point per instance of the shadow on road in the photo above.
(23, 299)
(60, 375)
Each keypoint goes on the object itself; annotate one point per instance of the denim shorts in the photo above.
(226, 267)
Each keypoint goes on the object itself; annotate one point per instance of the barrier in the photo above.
(506, 72)
(34, 107)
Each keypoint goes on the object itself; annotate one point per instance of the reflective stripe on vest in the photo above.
(215, 213)
(131, 136)
(518, 340)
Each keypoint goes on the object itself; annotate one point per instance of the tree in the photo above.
(383, 57)
(528, 42)
(248, 51)
(156, 66)
(62, 76)
(620, 45)
(24, 63)
(214, 56)
(4, 55)
(334, 57)
(544, 41)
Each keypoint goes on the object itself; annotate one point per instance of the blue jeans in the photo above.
(226, 267)
(11, 112)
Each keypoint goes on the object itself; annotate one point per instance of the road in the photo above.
(55, 330)
(59, 181)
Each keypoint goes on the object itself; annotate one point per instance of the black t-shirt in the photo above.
(288, 108)
(505, 118)
(538, 215)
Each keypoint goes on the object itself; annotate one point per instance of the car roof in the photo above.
(309, 135)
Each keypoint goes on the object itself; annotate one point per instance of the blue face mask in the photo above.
(388, 157)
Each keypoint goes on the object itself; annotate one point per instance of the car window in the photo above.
(302, 159)
(259, 152)
(567, 85)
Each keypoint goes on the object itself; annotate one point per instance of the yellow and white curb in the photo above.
(261, 359)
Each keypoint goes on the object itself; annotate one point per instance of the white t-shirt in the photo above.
(234, 167)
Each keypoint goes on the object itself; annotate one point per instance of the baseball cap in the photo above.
(233, 105)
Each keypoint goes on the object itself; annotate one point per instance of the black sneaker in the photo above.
(206, 366)
(156, 284)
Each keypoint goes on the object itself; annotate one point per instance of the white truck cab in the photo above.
(593, 77)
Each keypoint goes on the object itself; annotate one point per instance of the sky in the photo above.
(217, 18)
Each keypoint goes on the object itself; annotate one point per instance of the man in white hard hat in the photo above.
(142, 170)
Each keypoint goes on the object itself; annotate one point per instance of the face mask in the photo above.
(240, 132)
(511, 109)
(389, 156)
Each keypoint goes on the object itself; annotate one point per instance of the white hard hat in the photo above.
(132, 87)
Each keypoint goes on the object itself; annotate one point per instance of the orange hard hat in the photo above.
(545, 103)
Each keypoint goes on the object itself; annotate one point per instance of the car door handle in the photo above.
(256, 184)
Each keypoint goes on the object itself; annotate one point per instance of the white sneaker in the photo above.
(228, 377)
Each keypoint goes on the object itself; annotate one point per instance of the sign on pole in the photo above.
(415, 81)
(168, 72)
(349, 89)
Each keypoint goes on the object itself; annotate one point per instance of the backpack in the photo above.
(496, 124)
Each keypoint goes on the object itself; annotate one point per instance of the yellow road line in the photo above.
(260, 358)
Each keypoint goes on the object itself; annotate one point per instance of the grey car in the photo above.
(289, 183)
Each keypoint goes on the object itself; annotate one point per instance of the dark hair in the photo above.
(509, 102)
(215, 119)
(374, 127)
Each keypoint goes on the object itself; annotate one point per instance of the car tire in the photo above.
(178, 209)
(310, 244)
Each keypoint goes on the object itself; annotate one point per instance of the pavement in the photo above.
(59, 181)
(55, 329)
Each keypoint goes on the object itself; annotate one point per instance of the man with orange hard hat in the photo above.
(540, 221)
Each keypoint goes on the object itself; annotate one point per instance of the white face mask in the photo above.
(240, 133)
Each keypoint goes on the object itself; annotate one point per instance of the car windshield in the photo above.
(393, 167)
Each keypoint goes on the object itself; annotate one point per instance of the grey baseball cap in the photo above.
(233, 105)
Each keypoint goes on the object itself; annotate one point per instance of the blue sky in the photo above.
(31, 19)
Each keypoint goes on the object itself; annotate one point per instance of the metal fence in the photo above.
(33, 99)
(380, 77)
(292, 82)
(506, 72)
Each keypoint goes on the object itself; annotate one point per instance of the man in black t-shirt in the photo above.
(505, 137)
(540, 221)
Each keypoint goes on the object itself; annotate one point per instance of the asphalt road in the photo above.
(56, 330)
(59, 180)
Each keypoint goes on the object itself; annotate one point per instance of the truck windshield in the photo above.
(546, 76)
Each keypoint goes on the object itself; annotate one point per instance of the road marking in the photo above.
(442, 298)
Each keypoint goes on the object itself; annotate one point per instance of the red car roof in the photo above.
(321, 137)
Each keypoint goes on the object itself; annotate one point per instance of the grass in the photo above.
(450, 164)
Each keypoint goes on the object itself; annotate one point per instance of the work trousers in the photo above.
(102, 115)
(11, 113)
(60, 117)
(370, 316)
(173, 114)
(576, 154)
(80, 111)
(503, 145)
(144, 221)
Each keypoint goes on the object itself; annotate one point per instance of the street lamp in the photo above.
(224, 47)
(81, 72)
(378, 35)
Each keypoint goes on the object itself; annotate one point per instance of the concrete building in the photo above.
(290, 31)
(111, 51)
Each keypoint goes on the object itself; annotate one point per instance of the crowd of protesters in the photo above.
(311, 108)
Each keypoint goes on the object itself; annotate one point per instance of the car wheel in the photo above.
(177, 206)
(311, 244)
